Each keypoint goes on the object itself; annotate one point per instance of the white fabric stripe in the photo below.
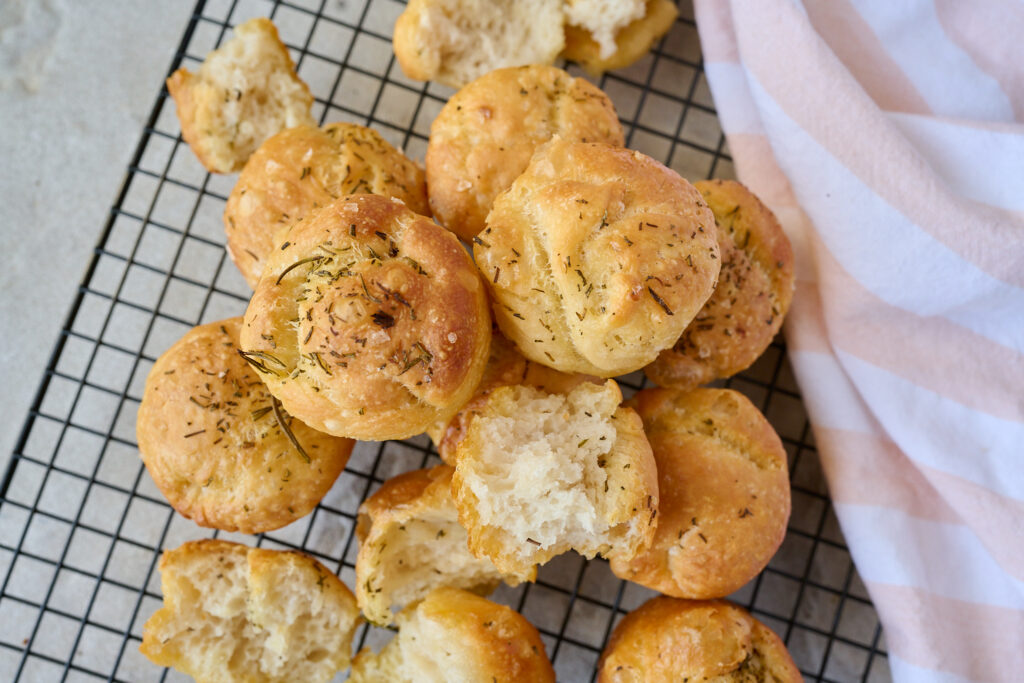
(953, 150)
(728, 83)
(945, 559)
(905, 672)
(830, 397)
(938, 432)
(942, 71)
(876, 242)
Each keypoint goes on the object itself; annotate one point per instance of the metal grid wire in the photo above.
(81, 523)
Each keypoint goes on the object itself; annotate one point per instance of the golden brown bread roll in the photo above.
(486, 134)
(219, 449)
(370, 321)
(597, 258)
(234, 613)
(454, 636)
(539, 473)
(668, 640)
(505, 367)
(245, 91)
(631, 43)
(755, 288)
(410, 542)
(724, 487)
(303, 168)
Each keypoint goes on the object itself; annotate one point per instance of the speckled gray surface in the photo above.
(77, 81)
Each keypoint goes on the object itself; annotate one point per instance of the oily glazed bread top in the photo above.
(484, 137)
(244, 92)
(724, 487)
(303, 168)
(410, 542)
(597, 258)
(234, 613)
(541, 473)
(370, 321)
(454, 636)
(668, 640)
(505, 367)
(212, 439)
(755, 288)
(590, 50)
(454, 41)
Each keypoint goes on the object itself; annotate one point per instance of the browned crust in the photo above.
(725, 498)
(597, 258)
(181, 87)
(406, 44)
(484, 137)
(632, 42)
(667, 639)
(303, 168)
(372, 320)
(209, 437)
(746, 310)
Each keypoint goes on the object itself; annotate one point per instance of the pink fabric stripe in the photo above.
(855, 138)
(872, 470)
(991, 33)
(979, 642)
(853, 41)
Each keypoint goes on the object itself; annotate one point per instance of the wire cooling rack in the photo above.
(81, 523)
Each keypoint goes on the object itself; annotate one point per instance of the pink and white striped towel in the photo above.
(888, 136)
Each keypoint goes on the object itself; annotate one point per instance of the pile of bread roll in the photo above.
(370, 320)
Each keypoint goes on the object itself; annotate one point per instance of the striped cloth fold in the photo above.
(887, 136)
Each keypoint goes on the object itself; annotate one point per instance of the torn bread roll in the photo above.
(410, 542)
(235, 613)
(244, 92)
(540, 473)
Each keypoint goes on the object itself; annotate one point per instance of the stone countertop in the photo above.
(77, 82)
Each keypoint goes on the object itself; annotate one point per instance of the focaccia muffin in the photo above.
(303, 168)
(724, 486)
(668, 640)
(484, 137)
(597, 258)
(220, 448)
(244, 92)
(454, 636)
(370, 321)
(755, 288)
(235, 613)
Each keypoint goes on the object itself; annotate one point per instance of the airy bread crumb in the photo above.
(539, 474)
(245, 91)
(454, 636)
(456, 41)
(235, 613)
(604, 19)
(410, 542)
